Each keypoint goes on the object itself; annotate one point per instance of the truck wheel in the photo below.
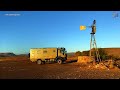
(39, 61)
(59, 61)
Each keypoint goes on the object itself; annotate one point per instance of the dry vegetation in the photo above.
(14, 58)
(113, 51)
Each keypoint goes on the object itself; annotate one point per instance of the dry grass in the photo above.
(113, 51)
(72, 58)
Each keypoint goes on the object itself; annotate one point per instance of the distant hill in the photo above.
(109, 51)
(7, 54)
(113, 51)
(71, 54)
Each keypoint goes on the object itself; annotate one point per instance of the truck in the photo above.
(43, 55)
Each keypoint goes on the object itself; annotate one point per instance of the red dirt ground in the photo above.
(22, 68)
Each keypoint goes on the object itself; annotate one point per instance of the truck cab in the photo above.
(62, 53)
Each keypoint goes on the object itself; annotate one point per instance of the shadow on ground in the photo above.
(70, 61)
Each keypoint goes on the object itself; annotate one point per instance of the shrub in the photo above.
(85, 53)
(102, 53)
(78, 53)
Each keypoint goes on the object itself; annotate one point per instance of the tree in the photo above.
(78, 53)
(85, 53)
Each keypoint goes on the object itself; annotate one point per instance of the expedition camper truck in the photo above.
(43, 55)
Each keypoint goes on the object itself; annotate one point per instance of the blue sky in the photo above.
(37, 29)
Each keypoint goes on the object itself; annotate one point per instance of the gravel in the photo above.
(74, 70)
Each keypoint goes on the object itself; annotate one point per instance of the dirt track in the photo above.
(27, 70)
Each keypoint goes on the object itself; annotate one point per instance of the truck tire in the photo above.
(39, 61)
(59, 61)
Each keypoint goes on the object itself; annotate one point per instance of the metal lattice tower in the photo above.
(93, 45)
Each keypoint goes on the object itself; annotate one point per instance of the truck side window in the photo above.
(44, 51)
(62, 52)
(38, 52)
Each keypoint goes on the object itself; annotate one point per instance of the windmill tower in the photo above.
(93, 46)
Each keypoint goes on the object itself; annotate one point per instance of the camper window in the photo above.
(44, 51)
(38, 52)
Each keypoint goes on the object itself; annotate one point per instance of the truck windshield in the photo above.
(63, 52)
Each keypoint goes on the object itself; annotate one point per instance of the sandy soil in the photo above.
(24, 69)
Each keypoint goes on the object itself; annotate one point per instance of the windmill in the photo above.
(93, 45)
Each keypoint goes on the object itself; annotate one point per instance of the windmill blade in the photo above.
(89, 26)
(82, 27)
